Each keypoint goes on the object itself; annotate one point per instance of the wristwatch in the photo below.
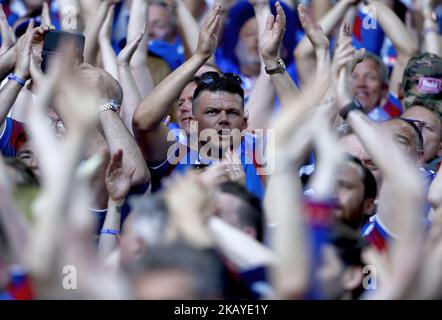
(112, 104)
(354, 105)
(279, 69)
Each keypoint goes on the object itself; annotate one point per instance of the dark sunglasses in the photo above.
(211, 76)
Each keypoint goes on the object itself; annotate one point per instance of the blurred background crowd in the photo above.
(200, 149)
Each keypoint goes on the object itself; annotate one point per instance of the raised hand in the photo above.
(8, 36)
(274, 32)
(78, 105)
(117, 182)
(106, 28)
(344, 55)
(38, 37)
(234, 167)
(35, 71)
(22, 64)
(207, 40)
(99, 83)
(189, 218)
(312, 29)
(125, 55)
(46, 15)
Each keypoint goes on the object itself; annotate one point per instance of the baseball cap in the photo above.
(422, 82)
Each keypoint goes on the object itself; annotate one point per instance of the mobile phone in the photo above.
(73, 47)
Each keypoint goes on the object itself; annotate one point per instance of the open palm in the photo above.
(274, 32)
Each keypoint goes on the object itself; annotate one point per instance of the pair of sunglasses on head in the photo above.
(212, 76)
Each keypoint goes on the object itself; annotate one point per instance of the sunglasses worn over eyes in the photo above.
(211, 76)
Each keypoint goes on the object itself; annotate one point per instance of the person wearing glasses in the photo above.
(430, 125)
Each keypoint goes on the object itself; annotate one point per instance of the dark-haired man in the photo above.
(356, 193)
(218, 108)
(240, 209)
(340, 273)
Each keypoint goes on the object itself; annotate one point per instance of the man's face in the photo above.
(221, 112)
(247, 49)
(354, 147)
(405, 137)
(431, 128)
(229, 208)
(159, 23)
(351, 195)
(184, 110)
(368, 87)
(28, 156)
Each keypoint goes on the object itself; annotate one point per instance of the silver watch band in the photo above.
(113, 105)
(280, 68)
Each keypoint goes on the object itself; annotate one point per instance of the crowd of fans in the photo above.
(261, 149)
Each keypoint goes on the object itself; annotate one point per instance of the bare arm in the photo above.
(108, 55)
(283, 200)
(149, 130)
(8, 36)
(321, 8)
(189, 27)
(403, 42)
(304, 51)
(92, 31)
(270, 44)
(7, 61)
(119, 137)
(260, 104)
(289, 240)
(58, 175)
(194, 6)
(140, 71)
(118, 185)
(10, 91)
(131, 95)
(330, 155)
(432, 38)
(89, 9)
(104, 88)
(319, 40)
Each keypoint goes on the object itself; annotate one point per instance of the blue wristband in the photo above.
(19, 80)
(110, 231)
